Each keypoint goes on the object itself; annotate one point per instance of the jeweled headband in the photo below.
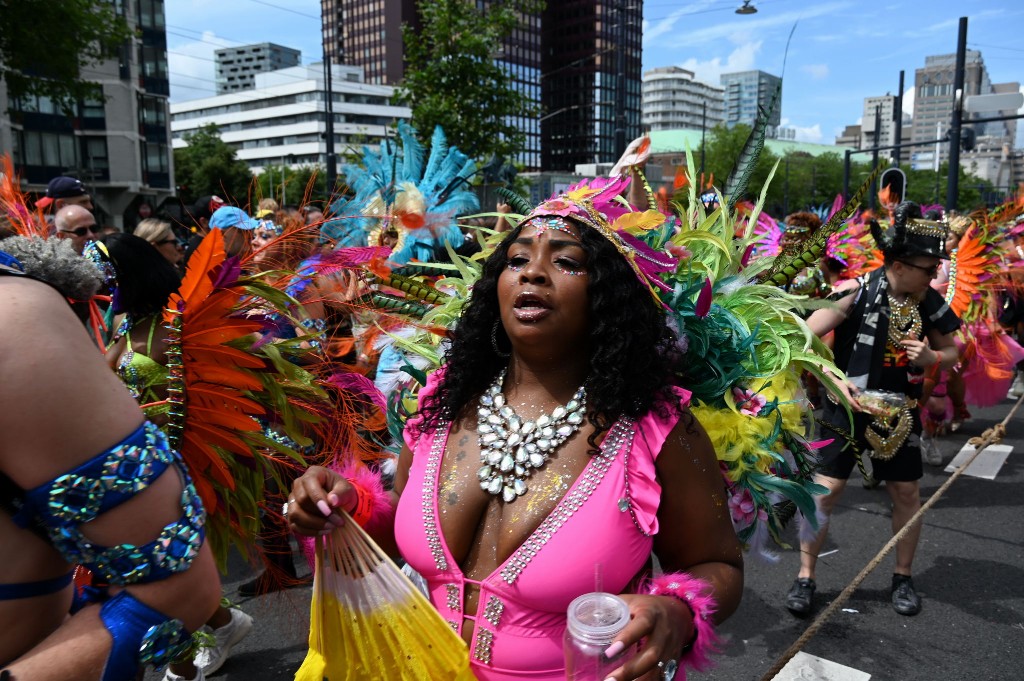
(596, 204)
(933, 228)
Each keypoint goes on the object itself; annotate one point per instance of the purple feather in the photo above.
(228, 273)
(704, 300)
(359, 385)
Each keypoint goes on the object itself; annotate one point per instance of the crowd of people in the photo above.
(463, 389)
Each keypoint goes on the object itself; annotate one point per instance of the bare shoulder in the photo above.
(60, 403)
(686, 447)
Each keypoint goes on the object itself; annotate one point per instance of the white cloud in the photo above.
(192, 68)
(729, 28)
(908, 100)
(740, 59)
(808, 134)
(666, 24)
(816, 71)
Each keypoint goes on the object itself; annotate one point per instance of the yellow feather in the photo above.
(638, 223)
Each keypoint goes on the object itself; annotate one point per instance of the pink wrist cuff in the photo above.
(372, 502)
(696, 593)
(372, 505)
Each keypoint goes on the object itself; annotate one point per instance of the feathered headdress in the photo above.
(399, 200)
(911, 234)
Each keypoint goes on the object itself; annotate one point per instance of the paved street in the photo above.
(969, 570)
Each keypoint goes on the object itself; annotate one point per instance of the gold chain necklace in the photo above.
(904, 320)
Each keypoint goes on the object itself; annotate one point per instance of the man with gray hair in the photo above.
(77, 224)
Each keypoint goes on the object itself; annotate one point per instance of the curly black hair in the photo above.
(633, 354)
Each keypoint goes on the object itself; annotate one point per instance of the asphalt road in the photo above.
(969, 570)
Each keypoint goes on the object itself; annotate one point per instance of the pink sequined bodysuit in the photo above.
(520, 620)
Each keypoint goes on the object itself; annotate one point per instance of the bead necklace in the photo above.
(904, 320)
(512, 448)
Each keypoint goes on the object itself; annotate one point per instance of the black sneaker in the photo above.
(800, 595)
(905, 600)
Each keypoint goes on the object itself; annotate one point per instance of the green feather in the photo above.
(785, 268)
(738, 180)
(518, 203)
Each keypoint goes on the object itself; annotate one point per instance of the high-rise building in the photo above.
(118, 141)
(564, 60)
(933, 105)
(746, 92)
(368, 33)
(237, 66)
(590, 82)
(884, 109)
(281, 121)
(674, 99)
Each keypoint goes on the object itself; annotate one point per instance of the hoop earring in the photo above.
(494, 341)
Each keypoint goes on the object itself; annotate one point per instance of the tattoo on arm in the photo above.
(460, 455)
(453, 499)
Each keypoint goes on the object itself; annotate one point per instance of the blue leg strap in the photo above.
(142, 636)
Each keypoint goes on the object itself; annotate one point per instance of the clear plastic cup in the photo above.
(594, 620)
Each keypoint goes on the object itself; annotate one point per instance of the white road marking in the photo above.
(987, 464)
(804, 667)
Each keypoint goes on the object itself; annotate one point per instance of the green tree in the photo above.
(928, 187)
(805, 182)
(454, 80)
(45, 44)
(208, 165)
(722, 148)
(296, 181)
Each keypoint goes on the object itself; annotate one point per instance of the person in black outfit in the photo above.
(889, 327)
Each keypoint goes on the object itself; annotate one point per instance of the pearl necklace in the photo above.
(951, 285)
(512, 448)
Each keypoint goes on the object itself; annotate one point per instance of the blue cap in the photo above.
(231, 216)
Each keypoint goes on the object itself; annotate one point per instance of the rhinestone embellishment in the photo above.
(429, 481)
(452, 596)
(493, 611)
(482, 649)
(511, 448)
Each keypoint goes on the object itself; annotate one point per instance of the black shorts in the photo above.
(837, 459)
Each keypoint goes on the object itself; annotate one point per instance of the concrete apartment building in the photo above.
(933, 104)
(118, 142)
(674, 99)
(237, 66)
(282, 120)
(746, 92)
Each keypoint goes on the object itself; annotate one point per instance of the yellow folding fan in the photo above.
(369, 622)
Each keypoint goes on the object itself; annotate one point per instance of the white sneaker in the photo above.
(1017, 388)
(171, 676)
(930, 452)
(212, 658)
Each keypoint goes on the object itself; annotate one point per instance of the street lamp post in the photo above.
(703, 131)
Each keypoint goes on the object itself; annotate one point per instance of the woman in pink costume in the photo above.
(553, 456)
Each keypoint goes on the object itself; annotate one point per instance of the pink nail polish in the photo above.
(333, 499)
(324, 508)
(614, 649)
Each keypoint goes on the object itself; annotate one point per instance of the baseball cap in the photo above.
(205, 206)
(232, 216)
(63, 187)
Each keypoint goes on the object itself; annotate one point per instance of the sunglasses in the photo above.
(82, 231)
(930, 271)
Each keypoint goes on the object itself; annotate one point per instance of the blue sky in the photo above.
(842, 50)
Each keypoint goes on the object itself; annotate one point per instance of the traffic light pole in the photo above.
(875, 150)
(953, 188)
